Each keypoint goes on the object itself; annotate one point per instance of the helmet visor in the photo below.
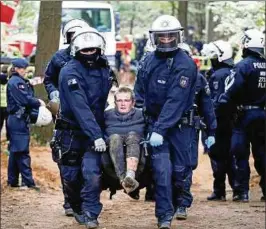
(166, 41)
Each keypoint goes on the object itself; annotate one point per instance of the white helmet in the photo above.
(70, 27)
(44, 117)
(254, 40)
(166, 33)
(222, 50)
(85, 38)
(149, 47)
(186, 48)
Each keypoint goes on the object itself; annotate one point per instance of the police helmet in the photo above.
(20, 63)
(253, 40)
(186, 48)
(221, 50)
(70, 28)
(41, 117)
(166, 33)
(87, 38)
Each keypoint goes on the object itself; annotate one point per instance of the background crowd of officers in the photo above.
(228, 105)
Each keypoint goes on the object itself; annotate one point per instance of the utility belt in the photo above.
(249, 107)
(196, 122)
(21, 113)
(189, 118)
(64, 155)
(62, 124)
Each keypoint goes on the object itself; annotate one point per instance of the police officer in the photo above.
(60, 59)
(203, 110)
(84, 84)
(20, 102)
(246, 88)
(220, 53)
(167, 79)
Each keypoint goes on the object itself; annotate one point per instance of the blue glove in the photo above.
(156, 139)
(210, 141)
(54, 95)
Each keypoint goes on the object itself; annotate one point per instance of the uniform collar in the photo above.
(16, 74)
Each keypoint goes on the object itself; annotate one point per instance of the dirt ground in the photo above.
(29, 209)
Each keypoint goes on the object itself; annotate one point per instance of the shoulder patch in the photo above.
(21, 86)
(216, 85)
(73, 84)
(184, 81)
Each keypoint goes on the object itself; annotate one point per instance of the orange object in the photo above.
(123, 45)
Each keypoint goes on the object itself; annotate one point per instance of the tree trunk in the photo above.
(47, 44)
(182, 15)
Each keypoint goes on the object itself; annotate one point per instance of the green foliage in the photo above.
(143, 13)
(27, 12)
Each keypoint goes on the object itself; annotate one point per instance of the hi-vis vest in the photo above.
(3, 101)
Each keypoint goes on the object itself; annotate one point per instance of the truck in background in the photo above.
(98, 15)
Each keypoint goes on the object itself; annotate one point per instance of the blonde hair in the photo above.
(125, 90)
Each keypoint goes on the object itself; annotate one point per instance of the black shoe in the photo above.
(34, 187)
(13, 185)
(69, 212)
(241, 198)
(262, 199)
(181, 213)
(215, 197)
(80, 218)
(164, 225)
(90, 221)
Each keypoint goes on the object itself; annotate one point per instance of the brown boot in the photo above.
(129, 183)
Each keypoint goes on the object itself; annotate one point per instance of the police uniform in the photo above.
(204, 108)
(59, 60)
(222, 162)
(20, 102)
(167, 85)
(83, 96)
(246, 89)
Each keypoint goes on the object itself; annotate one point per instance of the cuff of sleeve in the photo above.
(97, 136)
(158, 130)
(211, 132)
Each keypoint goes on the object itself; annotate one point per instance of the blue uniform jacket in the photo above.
(59, 59)
(217, 86)
(205, 105)
(83, 96)
(247, 82)
(20, 94)
(167, 87)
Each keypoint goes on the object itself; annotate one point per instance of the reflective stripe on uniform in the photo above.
(3, 100)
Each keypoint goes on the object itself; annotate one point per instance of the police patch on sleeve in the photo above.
(73, 84)
(21, 86)
(216, 85)
(184, 81)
